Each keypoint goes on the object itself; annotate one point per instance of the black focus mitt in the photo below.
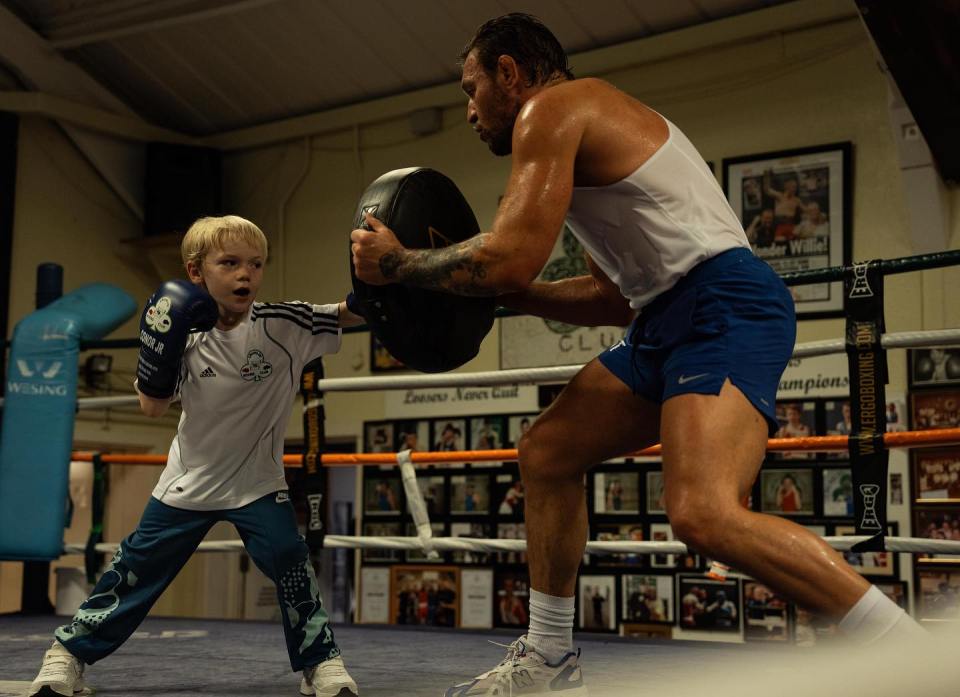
(428, 330)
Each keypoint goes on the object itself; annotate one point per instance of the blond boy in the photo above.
(235, 365)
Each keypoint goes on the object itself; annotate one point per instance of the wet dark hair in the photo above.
(524, 38)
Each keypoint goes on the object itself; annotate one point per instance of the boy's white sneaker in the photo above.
(61, 674)
(328, 679)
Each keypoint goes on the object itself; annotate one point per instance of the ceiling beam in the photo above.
(66, 111)
(84, 109)
(41, 68)
(70, 41)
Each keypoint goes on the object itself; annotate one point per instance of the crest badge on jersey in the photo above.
(256, 368)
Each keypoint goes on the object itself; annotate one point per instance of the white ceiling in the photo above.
(208, 66)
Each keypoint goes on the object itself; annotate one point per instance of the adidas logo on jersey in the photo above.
(208, 373)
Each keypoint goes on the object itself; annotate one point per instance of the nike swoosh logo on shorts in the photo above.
(683, 379)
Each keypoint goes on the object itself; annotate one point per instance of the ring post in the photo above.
(869, 457)
(314, 433)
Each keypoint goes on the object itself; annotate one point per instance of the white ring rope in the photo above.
(940, 337)
(416, 503)
(919, 339)
(524, 376)
(466, 544)
(431, 546)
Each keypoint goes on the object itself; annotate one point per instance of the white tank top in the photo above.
(649, 229)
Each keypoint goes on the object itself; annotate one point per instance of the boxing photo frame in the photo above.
(767, 616)
(937, 593)
(795, 206)
(647, 598)
(934, 367)
(931, 409)
(936, 475)
(425, 595)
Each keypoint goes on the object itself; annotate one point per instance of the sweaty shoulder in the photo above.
(553, 112)
(615, 132)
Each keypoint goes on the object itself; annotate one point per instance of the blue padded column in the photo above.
(38, 416)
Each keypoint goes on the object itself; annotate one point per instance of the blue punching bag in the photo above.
(39, 406)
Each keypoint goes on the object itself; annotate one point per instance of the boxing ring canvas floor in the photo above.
(180, 657)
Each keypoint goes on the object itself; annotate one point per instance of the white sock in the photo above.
(875, 616)
(551, 625)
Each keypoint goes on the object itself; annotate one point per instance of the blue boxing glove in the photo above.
(353, 304)
(175, 310)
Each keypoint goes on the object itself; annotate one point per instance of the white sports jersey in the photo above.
(649, 229)
(237, 389)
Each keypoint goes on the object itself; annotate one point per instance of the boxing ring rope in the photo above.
(465, 544)
(425, 542)
(895, 439)
(490, 378)
(918, 262)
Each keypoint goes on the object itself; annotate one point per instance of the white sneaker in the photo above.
(525, 672)
(61, 674)
(328, 679)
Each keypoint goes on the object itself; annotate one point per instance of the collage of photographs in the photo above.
(935, 475)
(618, 593)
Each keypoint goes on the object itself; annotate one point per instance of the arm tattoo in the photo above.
(454, 269)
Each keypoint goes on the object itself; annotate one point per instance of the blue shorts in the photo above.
(730, 317)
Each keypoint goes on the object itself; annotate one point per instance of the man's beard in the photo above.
(500, 140)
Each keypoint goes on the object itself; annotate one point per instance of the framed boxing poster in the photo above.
(934, 367)
(795, 206)
(708, 604)
(425, 595)
(837, 492)
(646, 598)
(795, 420)
(767, 616)
(935, 409)
(511, 598)
(937, 523)
(787, 492)
(598, 603)
(383, 496)
(936, 475)
(470, 494)
(938, 593)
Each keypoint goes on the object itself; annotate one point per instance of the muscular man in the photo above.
(697, 372)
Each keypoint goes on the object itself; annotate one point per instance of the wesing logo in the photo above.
(40, 371)
(48, 373)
